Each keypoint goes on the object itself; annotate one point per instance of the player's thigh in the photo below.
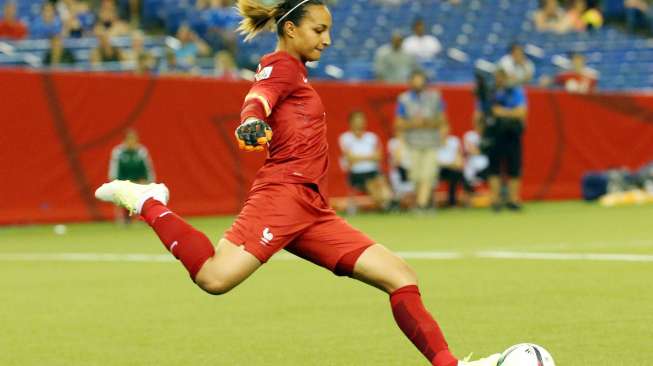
(230, 266)
(383, 269)
(331, 243)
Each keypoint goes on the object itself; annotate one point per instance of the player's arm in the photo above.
(273, 84)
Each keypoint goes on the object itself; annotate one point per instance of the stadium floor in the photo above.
(101, 295)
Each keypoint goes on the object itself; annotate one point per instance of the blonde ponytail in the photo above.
(256, 17)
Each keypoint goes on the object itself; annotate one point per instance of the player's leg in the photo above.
(190, 246)
(385, 270)
(230, 266)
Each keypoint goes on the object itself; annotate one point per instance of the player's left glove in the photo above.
(253, 134)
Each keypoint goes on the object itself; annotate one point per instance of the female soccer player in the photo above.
(287, 206)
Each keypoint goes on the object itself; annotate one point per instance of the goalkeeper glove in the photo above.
(253, 134)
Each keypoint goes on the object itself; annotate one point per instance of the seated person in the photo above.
(399, 162)
(579, 78)
(361, 158)
(452, 163)
(10, 26)
(550, 17)
(47, 25)
(476, 163)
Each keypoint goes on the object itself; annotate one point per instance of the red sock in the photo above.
(186, 243)
(420, 327)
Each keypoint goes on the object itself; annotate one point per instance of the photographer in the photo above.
(501, 119)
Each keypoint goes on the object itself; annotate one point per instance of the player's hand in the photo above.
(253, 135)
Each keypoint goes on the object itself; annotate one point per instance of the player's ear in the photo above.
(290, 29)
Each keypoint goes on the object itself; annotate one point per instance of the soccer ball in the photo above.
(526, 354)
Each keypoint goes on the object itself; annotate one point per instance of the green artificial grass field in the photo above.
(65, 301)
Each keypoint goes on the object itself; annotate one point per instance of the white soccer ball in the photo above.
(60, 229)
(526, 354)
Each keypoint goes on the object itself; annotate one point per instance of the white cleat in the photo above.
(492, 360)
(131, 196)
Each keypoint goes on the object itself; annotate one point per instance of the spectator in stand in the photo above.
(223, 19)
(109, 22)
(225, 66)
(579, 78)
(198, 17)
(582, 17)
(391, 63)
(47, 25)
(421, 119)
(10, 26)
(191, 47)
(105, 51)
(518, 67)
(57, 54)
(77, 17)
(550, 17)
(362, 156)
(399, 162)
(639, 13)
(422, 46)
(142, 60)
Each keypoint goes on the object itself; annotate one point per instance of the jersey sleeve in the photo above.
(273, 83)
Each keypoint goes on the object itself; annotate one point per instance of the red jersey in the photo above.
(298, 152)
(12, 30)
(577, 82)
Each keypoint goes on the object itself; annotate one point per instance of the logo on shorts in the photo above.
(267, 236)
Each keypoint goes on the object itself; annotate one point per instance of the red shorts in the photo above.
(295, 217)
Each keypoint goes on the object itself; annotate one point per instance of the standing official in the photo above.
(502, 134)
(421, 119)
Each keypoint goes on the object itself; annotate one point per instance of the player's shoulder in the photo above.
(280, 59)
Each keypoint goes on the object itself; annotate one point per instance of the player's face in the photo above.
(313, 36)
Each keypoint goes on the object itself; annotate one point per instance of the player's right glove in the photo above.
(253, 134)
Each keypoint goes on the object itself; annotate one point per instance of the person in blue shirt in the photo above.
(47, 25)
(502, 134)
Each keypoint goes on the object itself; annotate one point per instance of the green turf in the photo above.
(292, 313)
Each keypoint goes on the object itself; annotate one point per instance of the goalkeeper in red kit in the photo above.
(287, 206)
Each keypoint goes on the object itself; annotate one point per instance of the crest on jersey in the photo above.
(263, 73)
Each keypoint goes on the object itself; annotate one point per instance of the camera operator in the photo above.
(501, 119)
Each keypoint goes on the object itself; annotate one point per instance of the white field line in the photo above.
(422, 255)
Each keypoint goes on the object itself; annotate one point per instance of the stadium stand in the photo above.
(469, 31)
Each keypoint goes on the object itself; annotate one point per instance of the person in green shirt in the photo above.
(130, 161)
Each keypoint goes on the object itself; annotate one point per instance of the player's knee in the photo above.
(214, 286)
(405, 276)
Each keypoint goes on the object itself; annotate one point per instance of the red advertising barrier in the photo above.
(57, 131)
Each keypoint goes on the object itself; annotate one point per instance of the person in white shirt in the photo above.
(361, 157)
(476, 163)
(399, 163)
(518, 67)
(422, 46)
